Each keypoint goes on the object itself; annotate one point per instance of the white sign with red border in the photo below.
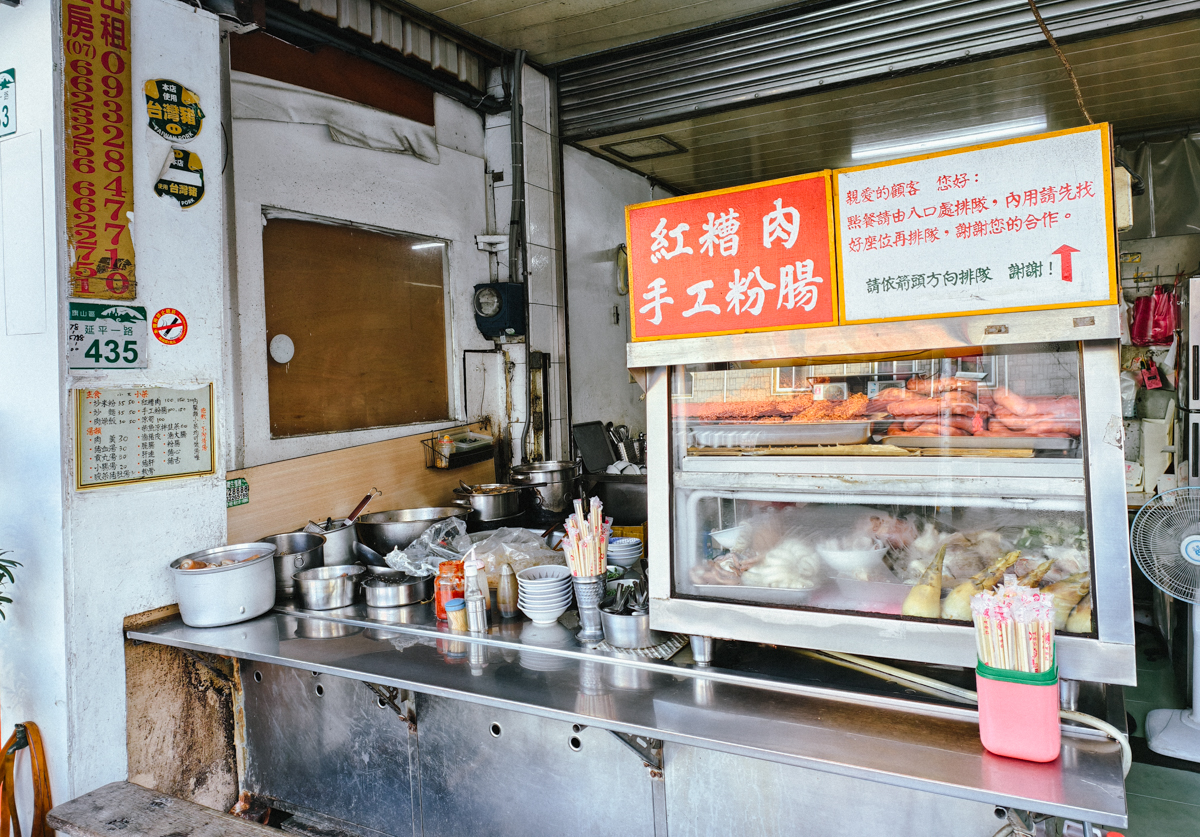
(1009, 226)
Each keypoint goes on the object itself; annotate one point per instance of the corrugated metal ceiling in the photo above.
(557, 30)
(1136, 80)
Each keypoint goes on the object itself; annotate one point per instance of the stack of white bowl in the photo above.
(544, 593)
(624, 552)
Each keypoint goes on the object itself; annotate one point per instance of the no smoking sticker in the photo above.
(169, 326)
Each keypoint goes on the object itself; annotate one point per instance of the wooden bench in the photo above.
(130, 810)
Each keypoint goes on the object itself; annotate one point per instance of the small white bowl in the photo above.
(852, 560)
(543, 616)
(625, 562)
(544, 573)
(727, 538)
(543, 588)
(545, 601)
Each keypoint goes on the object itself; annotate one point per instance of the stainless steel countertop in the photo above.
(755, 701)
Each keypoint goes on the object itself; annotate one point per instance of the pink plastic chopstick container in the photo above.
(1018, 713)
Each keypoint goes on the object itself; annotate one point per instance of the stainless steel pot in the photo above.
(339, 543)
(388, 530)
(629, 630)
(229, 594)
(493, 501)
(327, 588)
(396, 589)
(553, 483)
(295, 551)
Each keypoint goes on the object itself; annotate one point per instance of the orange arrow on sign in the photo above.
(1064, 255)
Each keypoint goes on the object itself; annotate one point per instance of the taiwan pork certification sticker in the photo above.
(173, 110)
(181, 178)
(105, 336)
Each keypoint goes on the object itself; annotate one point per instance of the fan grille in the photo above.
(1158, 530)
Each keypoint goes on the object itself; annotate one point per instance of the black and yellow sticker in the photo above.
(173, 110)
(181, 178)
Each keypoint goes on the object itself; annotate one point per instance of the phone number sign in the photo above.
(98, 150)
(1015, 225)
(106, 336)
(751, 258)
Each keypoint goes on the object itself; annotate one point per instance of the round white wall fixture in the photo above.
(282, 348)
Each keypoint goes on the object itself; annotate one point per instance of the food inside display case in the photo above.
(902, 560)
(1015, 401)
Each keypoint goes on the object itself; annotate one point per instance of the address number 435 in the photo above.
(112, 351)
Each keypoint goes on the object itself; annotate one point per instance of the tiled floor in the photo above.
(1163, 802)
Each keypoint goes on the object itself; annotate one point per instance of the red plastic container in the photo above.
(1018, 713)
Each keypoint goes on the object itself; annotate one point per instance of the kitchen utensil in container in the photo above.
(327, 588)
(339, 541)
(553, 483)
(362, 504)
(1018, 712)
(223, 595)
(492, 501)
(388, 530)
(629, 630)
(295, 551)
(396, 589)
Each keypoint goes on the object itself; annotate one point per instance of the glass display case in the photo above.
(808, 494)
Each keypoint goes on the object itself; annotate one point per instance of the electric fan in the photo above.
(1166, 543)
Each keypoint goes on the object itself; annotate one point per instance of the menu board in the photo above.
(97, 148)
(137, 435)
(750, 258)
(1009, 226)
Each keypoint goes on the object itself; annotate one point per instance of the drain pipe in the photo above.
(517, 260)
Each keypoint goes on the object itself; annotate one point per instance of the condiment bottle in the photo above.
(477, 601)
(449, 586)
(507, 591)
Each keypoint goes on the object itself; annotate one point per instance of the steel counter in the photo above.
(765, 703)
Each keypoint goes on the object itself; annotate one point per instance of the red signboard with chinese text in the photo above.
(98, 148)
(750, 258)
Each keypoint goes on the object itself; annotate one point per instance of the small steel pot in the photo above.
(629, 631)
(492, 501)
(339, 544)
(396, 589)
(295, 551)
(327, 588)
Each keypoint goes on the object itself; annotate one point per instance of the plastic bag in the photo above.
(519, 547)
(445, 540)
(1154, 318)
